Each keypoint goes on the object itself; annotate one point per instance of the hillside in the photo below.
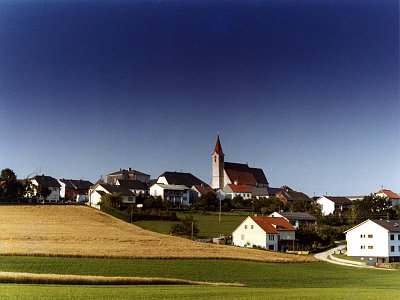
(83, 231)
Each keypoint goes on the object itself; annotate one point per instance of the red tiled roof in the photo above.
(218, 147)
(240, 173)
(390, 194)
(239, 188)
(204, 189)
(267, 224)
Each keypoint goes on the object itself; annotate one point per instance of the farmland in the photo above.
(289, 281)
(80, 241)
(81, 231)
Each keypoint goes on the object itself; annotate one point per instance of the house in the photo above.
(392, 196)
(266, 232)
(334, 205)
(259, 192)
(135, 186)
(233, 190)
(199, 190)
(129, 174)
(74, 189)
(227, 173)
(376, 241)
(289, 196)
(49, 182)
(297, 219)
(100, 189)
(179, 178)
(179, 187)
(177, 194)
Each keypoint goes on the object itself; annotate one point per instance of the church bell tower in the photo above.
(217, 166)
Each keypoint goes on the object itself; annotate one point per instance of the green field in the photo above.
(262, 280)
(208, 224)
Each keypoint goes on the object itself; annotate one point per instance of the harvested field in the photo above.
(80, 231)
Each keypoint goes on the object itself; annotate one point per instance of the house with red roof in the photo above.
(392, 196)
(233, 177)
(266, 232)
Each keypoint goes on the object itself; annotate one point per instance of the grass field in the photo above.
(208, 224)
(262, 280)
(83, 231)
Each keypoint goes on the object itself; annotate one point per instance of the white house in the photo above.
(51, 183)
(392, 196)
(232, 190)
(375, 241)
(177, 194)
(100, 189)
(266, 232)
(334, 205)
(297, 219)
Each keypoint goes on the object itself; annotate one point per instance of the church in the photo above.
(228, 175)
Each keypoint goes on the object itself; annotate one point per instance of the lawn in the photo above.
(208, 224)
(262, 280)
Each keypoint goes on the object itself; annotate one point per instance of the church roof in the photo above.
(218, 147)
(242, 174)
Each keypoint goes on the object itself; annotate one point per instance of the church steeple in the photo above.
(218, 166)
(218, 147)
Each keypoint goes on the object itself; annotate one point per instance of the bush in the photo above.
(187, 227)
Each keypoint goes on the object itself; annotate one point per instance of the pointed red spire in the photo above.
(218, 148)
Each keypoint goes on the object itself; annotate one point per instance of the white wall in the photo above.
(328, 206)
(358, 238)
(249, 234)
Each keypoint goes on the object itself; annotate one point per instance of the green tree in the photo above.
(208, 202)
(42, 191)
(267, 205)
(373, 207)
(239, 203)
(113, 200)
(8, 175)
(187, 228)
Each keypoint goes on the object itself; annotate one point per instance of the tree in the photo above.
(266, 205)
(11, 189)
(207, 202)
(239, 203)
(373, 207)
(43, 191)
(8, 175)
(113, 200)
(187, 228)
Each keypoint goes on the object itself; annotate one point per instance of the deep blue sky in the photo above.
(306, 90)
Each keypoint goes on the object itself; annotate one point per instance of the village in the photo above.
(275, 219)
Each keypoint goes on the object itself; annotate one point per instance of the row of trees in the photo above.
(13, 190)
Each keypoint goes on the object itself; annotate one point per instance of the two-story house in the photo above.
(267, 232)
(375, 241)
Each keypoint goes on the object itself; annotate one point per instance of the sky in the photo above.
(306, 90)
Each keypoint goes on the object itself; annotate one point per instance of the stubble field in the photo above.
(79, 231)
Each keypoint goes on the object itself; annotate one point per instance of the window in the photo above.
(370, 236)
(370, 247)
(362, 236)
(252, 226)
(398, 237)
(242, 237)
(245, 226)
(362, 247)
(391, 248)
(271, 237)
(392, 237)
(399, 249)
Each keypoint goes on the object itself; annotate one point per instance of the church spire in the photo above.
(218, 147)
